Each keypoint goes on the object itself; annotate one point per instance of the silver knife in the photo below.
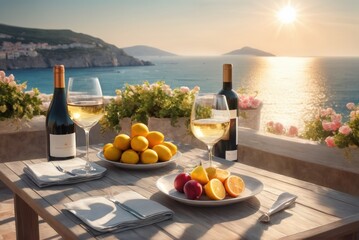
(284, 200)
(128, 209)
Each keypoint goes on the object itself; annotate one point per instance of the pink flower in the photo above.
(330, 142)
(270, 124)
(335, 125)
(327, 126)
(292, 131)
(336, 118)
(345, 130)
(331, 126)
(278, 128)
(350, 106)
(256, 103)
(248, 102)
(326, 112)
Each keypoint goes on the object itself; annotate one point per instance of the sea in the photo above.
(292, 89)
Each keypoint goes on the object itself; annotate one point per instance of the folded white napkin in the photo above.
(105, 215)
(46, 174)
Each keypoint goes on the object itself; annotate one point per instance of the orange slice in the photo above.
(215, 190)
(222, 174)
(234, 185)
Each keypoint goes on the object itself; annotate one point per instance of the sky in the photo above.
(200, 27)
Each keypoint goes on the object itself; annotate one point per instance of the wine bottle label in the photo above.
(233, 123)
(236, 127)
(63, 145)
(231, 155)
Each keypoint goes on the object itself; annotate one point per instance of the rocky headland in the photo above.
(39, 48)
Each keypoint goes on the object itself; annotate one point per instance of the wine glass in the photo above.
(210, 119)
(85, 106)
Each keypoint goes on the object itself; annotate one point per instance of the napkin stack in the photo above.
(105, 215)
(46, 174)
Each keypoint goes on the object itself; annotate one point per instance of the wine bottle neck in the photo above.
(227, 85)
(59, 76)
(227, 76)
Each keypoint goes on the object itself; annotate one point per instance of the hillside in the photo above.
(141, 51)
(42, 48)
(249, 51)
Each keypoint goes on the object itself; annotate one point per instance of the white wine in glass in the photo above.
(85, 106)
(210, 119)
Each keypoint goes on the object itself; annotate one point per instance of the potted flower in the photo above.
(154, 104)
(249, 109)
(16, 105)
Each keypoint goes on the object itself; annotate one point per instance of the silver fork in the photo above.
(127, 209)
(64, 171)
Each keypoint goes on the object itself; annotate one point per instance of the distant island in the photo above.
(146, 51)
(250, 51)
(40, 48)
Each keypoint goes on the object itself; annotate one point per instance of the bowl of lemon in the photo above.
(143, 149)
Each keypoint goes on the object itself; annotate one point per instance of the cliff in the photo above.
(40, 48)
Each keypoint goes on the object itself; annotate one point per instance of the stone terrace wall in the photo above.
(301, 159)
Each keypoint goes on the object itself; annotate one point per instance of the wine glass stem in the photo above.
(87, 136)
(210, 155)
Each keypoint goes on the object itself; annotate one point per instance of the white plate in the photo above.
(140, 166)
(165, 185)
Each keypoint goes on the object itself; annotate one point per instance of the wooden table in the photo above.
(319, 212)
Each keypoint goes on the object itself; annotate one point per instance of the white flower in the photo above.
(184, 89)
(350, 106)
(196, 89)
(44, 106)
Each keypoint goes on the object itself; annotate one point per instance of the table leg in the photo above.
(27, 220)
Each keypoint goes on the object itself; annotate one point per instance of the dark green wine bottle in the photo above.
(227, 147)
(60, 129)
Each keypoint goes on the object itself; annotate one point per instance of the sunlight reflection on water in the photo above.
(291, 88)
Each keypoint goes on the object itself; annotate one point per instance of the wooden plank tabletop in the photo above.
(319, 212)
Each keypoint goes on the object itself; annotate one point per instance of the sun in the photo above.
(287, 15)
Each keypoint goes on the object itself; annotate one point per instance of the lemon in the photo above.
(171, 146)
(139, 129)
(215, 190)
(200, 175)
(164, 153)
(139, 143)
(211, 172)
(149, 156)
(111, 153)
(130, 156)
(106, 146)
(154, 138)
(122, 141)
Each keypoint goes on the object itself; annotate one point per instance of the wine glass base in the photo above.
(206, 164)
(89, 168)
